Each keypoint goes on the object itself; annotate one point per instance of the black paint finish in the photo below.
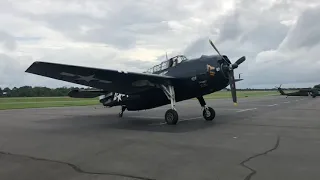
(190, 78)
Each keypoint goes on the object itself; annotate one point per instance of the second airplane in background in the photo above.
(313, 92)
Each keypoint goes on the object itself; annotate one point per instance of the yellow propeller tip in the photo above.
(236, 104)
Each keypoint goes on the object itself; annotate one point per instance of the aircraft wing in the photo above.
(109, 80)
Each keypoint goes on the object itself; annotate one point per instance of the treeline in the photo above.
(28, 91)
(273, 89)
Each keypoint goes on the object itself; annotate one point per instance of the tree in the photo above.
(317, 86)
(6, 91)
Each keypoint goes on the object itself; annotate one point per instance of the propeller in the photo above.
(229, 69)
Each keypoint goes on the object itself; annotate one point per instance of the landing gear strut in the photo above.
(171, 115)
(123, 108)
(208, 113)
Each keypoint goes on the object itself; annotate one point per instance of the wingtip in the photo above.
(29, 69)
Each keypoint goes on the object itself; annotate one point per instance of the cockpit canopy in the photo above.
(167, 64)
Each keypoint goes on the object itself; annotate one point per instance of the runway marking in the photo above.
(247, 110)
(272, 105)
(287, 102)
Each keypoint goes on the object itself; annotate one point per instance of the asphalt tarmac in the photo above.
(261, 138)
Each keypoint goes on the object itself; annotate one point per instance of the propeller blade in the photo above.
(238, 62)
(232, 83)
(214, 47)
(241, 60)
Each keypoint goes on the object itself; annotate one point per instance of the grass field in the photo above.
(41, 102)
(240, 94)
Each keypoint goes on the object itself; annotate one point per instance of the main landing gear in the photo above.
(123, 108)
(172, 116)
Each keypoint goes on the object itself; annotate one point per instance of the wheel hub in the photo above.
(170, 117)
(208, 113)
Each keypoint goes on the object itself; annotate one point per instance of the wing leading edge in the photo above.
(109, 80)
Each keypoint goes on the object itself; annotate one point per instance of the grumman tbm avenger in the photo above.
(313, 92)
(171, 81)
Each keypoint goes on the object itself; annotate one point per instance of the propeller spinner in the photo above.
(229, 68)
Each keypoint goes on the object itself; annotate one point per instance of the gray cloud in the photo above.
(12, 73)
(8, 41)
(277, 50)
(123, 24)
(306, 32)
(230, 28)
(274, 51)
(267, 35)
(199, 47)
(292, 62)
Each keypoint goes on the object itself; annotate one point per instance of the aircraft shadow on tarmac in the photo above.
(105, 122)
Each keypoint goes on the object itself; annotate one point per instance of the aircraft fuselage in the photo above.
(196, 81)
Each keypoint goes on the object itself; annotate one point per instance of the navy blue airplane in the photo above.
(171, 81)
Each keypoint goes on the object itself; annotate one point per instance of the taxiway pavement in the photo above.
(262, 138)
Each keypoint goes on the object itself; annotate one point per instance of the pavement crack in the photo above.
(77, 168)
(253, 171)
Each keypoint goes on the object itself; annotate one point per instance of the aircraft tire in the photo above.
(171, 117)
(209, 114)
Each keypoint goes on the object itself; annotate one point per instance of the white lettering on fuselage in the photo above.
(118, 96)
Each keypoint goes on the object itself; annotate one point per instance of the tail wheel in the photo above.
(209, 114)
(171, 117)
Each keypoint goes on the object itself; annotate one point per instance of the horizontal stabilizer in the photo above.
(236, 80)
(76, 93)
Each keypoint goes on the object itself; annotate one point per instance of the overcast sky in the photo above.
(280, 38)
